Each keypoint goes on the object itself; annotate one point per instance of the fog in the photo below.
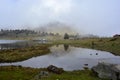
(99, 17)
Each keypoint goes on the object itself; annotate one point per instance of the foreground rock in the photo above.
(108, 71)
(55, 69)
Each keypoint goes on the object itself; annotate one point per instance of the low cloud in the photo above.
(99, 17)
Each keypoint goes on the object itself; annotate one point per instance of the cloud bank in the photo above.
(99, 17)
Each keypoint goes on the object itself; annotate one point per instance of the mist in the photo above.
(98, 17)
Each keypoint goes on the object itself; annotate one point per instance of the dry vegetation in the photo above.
(14, 55)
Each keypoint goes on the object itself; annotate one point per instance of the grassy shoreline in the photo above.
(15, 55)
(104, 44)
(27, 73)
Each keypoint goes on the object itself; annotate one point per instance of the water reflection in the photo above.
(57, 45)
(66, 46)
(69, 58)
(15, 44)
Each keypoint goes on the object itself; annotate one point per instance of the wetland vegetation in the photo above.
(106, 44)
(14, 55)
(27, 73)
(59, 39)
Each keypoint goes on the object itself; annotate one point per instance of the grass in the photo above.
(17, 73)
(26, 73)
(106, 44)
(73, 75)
(14, 55)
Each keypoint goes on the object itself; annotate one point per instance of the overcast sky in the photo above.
(100, 17)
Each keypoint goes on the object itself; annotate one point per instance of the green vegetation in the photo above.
(73, 75)
(26, 73)
(14, 55)
(17, 73)
(66, 36)
(106, 44)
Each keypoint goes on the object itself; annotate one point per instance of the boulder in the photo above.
(108, 71)
(55, 69)
(44, 73)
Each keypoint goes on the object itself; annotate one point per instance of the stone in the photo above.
(55, 69)
(44, 73)
(107, 70)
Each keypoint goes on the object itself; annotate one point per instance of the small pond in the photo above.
(69, 58)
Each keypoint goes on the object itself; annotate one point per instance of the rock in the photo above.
(86, 64)
(108, 71)
(55, 69)
(116, 36)
(96, 53)
(85, 68)
(44, 73)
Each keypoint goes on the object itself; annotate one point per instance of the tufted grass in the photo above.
(14, 55)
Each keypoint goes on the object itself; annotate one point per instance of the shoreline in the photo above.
(27, 73)
(103, 44)
(15, 55)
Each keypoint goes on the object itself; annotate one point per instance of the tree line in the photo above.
(24, 32)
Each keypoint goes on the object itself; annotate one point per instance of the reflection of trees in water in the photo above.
(66, 47)
(15, 45)
(59, 50)
(57, 45)
(8, 46)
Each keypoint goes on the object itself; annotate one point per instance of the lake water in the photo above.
(69, 58)
(14, 44)
(9, 41)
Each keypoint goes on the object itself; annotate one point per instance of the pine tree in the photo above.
(66, 36)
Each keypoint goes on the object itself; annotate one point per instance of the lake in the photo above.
(14, 44)
(69, 58)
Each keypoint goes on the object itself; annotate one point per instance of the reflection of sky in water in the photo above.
(71, 58)
(9, 41)
(80, 53)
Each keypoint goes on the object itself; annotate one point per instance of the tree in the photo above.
(66, 36)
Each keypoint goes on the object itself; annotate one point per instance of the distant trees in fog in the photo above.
(24, 33)
(16, 33)
(32, 33)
